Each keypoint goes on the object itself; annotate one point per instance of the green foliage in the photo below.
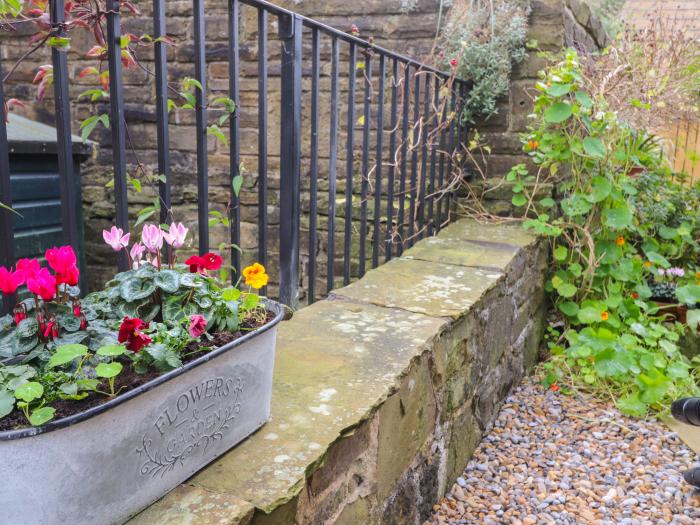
(613, 234)
(486, 38)
(83, 362)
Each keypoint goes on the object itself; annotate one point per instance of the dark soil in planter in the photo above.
(128, 379)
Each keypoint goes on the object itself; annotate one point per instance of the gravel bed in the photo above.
(561, 459)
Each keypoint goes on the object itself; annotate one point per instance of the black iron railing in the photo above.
(405, 180)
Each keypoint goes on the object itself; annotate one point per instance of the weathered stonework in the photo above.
(383, 391)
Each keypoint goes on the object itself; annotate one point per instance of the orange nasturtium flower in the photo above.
(605, 316)
(620, 241)
(532, 145)
(255, 276)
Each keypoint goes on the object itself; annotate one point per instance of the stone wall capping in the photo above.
(380, 398)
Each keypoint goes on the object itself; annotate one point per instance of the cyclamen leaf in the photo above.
(167, 280)
(7, 402)
(134, 289)
(27, 328)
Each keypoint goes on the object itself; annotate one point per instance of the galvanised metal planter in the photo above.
(104, 465)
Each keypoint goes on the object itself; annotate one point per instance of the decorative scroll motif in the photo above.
(200, 417)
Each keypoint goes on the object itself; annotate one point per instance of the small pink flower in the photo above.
(152, 238)
(136, 253)
(198, 325)
(175, 237)
(115, 238)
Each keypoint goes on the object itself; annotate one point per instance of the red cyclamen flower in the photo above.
(208, 261)
(42, 284)
(131, 334)
(198, 325)
(62, 259)
(10, 280)
(28, 267)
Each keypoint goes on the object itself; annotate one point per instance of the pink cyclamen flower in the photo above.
(115, 238)
(136, 253)
(10, 280)
(198, 325)
(175, 237)
(152, 238)
(43, 284)
(677, 272)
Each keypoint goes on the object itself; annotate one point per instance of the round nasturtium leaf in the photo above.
(566, 290)
(558, 90)
(66, 353)
(557, 113)
(108, 370)
(111, 350)
(594, 147)
(41, 415)
(29, 391)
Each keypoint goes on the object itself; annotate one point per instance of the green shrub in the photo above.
(483, 39)
(623, 224)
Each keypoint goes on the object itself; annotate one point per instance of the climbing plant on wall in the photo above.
(483, 39)
(624, 230)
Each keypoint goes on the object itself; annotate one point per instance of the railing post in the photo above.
(116, 119)
(290, 32)
(63, 130)
(7, 239)
(200, 68)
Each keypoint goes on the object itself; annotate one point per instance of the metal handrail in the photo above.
(413, 205)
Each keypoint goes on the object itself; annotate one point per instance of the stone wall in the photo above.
(554, 25)
(382, 392)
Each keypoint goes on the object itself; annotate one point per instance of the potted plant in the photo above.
(663, 286)
(110, 401)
